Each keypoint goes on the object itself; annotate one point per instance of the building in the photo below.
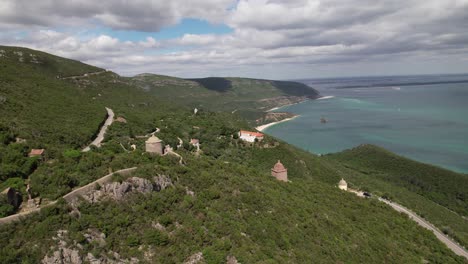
(13, 197)
(36, 153)
(279, 172)
(194, 142)
(343, 185)
(250, 136)
(154, 145)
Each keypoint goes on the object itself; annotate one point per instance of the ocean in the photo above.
(424, 118)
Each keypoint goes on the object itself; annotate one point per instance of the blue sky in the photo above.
(248, 38)
(186, 26)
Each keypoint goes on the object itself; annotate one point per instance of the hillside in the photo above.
(250, 98)
(437, 194)
(216, 204)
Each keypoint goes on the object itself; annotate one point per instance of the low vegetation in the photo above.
(223, 203)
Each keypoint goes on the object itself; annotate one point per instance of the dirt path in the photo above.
(84, 75)
(457, 249)
(100, 137)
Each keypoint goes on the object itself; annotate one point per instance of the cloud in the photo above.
(141, 15)
(281, 38)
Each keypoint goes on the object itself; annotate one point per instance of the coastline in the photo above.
(300, 102)
(263, 127)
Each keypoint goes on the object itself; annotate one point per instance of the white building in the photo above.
(250, 136)
(343, 185)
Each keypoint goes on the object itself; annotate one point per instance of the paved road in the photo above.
(100, 137)
(457, 249)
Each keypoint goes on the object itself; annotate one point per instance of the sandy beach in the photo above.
(263, 127)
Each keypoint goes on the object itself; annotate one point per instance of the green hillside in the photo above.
(223, 201)
(437, 194)
(248, 97)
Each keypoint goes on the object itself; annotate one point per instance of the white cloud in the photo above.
(276, 35)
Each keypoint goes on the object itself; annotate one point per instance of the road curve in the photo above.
(100, 137)
(457, 249)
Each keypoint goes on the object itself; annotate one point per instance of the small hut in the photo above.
(343, 185)
(279, 172)
(154, 145)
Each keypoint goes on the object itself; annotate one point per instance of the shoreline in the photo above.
(263, 127)
(279, 107)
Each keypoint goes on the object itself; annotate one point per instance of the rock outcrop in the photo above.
(64, 252)
(119, 190)
(196, 258)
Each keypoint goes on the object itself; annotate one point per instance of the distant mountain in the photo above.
(249, 97)
(215, 204)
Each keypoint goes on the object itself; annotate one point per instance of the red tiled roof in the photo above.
(36, 152)
(279, 166)
(256, 134)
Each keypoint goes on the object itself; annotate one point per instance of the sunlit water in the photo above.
(427, 122)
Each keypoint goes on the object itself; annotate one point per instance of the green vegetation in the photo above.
(236, 208)
(437, 194)
(250, 98)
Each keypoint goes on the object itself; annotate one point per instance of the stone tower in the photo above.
(279, 172)
(343, 185)
(154, 145)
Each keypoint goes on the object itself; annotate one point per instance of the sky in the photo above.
(273, 39)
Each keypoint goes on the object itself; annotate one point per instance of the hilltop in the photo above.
(219, 204)
(250, 98)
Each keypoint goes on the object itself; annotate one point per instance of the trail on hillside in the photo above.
(84, 75)
(457, 249)
(100, 137)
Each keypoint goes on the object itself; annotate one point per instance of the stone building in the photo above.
(154, 145)
(12, 196)
(343, 185)
(279, 172)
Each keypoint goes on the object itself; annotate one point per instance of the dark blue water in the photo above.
(421, 117)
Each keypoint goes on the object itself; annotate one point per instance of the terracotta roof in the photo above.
(36, 152)
(194, 141)
(256, 134)
(279, 166)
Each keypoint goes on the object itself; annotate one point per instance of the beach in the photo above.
(263, 127)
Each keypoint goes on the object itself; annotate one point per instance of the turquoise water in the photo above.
(428, 123)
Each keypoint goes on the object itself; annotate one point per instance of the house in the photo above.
(279, 172)
(250, 136)
(36, 153)
(194, 142)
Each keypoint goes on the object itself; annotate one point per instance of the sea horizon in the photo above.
(424, 121)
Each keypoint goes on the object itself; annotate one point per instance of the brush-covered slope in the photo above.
(222, 202)
(437, 194)
(249, 97)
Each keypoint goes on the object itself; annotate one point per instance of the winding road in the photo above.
(100, 137)
(457, 249)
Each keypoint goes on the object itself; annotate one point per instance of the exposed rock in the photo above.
(105, 259)
(195, 259)
(158, 226)
(231, 260)
(117, 190)
(162, 182)
(63, 253)
(93, 235)
(121, 119)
